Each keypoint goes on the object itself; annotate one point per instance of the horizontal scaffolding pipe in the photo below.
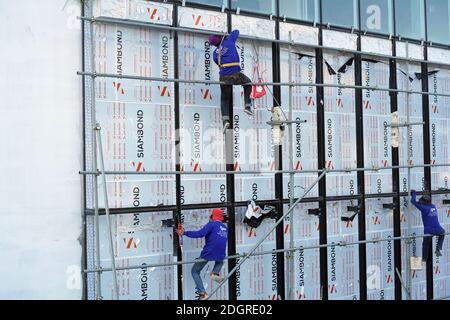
(277, 123)
(133, 23)
(284, 84)
(165, 173)
(328, 245)
(407, 124)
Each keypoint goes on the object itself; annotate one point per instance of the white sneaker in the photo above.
(216, 278)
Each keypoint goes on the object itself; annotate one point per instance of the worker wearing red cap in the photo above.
(216, 234)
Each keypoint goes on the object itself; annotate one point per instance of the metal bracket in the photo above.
(342, 243)
(389, 206)
(183, 3)
(315, 212)
(353, 208)
(223, 8)
(347, 218)
(238, 10)
(168, 223)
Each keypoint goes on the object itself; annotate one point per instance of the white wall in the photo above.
(40, 149)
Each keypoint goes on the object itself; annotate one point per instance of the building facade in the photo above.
(370, 77)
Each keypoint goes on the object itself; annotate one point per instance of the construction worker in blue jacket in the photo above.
(430, 223)
(216, 235)
(227, 58)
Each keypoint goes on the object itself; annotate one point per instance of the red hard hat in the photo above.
(217, 214)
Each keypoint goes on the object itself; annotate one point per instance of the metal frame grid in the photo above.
(91, 172)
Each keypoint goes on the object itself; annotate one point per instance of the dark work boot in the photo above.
(248, 110)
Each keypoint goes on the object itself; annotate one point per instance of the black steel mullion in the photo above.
(278, 154)
(426, 20)
(360, 174)
(320, 98)
(395, 176)
(177, 213)
(230, 180)
(427, 158)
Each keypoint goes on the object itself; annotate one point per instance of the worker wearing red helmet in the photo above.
(216, 235)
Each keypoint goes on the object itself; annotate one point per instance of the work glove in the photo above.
(180, 230)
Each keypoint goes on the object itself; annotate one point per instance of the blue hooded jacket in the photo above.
(429, 216)
(228, 54)
(216, 234)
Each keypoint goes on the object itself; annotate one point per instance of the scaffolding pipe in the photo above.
(348, 170)
(128, 22)
(404, 286)
(408, 221)
(262, 253)
(266, 235)
(277, 123)
(290, 256)
(98, 287)
(108, 220)
(281, 84)
(407, 124)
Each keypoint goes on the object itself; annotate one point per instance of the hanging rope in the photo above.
(256, 62)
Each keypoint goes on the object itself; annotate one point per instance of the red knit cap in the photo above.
(217, 214)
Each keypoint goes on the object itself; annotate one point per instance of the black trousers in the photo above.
(426, 244)
(226, 91)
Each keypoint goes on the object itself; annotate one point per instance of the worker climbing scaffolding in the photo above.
(430, 223)
(216, 235)
(227, 58)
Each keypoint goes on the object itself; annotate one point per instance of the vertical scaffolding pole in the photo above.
(291, 282)
(98, 275)
(108, 221)
(408, 209)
